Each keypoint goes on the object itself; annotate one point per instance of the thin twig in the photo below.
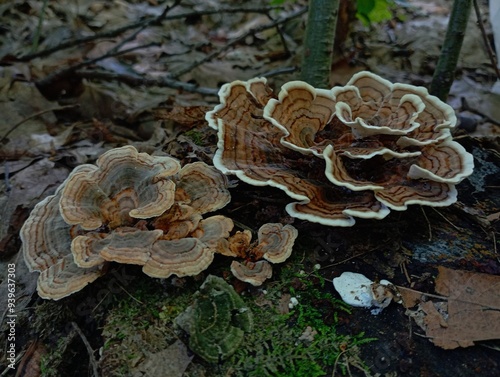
(48, 80)
(282, 36)
(446, 219)
(444, 298)
(485, 39)
(242, 37)
(34, 116)
(115, 32)
(132, 297)
(111, 53)
(428, 223)
(90, 351)
(336, 362)
(495, 246)
(348, 259)
(405, 271)
(100, 302)
(278, 71)
(145, 81)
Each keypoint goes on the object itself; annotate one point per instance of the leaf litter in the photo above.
(468, 311)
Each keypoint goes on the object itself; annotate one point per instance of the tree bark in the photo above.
(319, 40)
(447, 63)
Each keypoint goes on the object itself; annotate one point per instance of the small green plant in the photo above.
(196, 136)
(374, 11)
(279, 2)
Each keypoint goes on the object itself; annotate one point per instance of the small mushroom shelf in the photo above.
(354, 151)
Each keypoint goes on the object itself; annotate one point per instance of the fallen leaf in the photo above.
(22, 132)
(470, 314)
(409, 296)
(493, 217)
(171, 362)
(20, 190)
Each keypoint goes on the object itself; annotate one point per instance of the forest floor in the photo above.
(79, 79)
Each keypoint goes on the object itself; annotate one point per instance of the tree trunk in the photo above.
(447, 63)
(319, 40)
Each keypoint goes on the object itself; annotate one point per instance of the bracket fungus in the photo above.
(274, 244)
(129, 208)
(217, 320)
(354, 151)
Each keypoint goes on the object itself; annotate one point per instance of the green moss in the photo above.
(140, 323)
(52, 324)
(277, 346)
(50, 362)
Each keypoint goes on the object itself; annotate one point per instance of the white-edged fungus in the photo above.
(354, 151)
(129, 208)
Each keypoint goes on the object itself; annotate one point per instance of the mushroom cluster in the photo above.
(354, 151)
(134, 208)
(274, 245)
(129, 208)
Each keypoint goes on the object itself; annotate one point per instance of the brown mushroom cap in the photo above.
(276, 241)
(122, 179)
(131, 208)
(205, 187)
(46, 240)
(64, 278)
(353, 151)
(214, 229)
(301, 111)
(250, 147)
(237, 245)
(184, 257)
(252, 273)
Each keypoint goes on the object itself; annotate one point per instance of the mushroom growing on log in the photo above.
(129, 208)
(354, 151)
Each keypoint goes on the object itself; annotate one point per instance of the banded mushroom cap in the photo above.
(353, 151)
(46, 247)
(254, 273)
(123, 185)
(129, 208)
(276, 241)
(274, 244)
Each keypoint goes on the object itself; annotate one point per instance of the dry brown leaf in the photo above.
(493, 217)
(410, 297)
(26, 135)
(171, 361)
(283, 307)
(471, 314)
(20, 189)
